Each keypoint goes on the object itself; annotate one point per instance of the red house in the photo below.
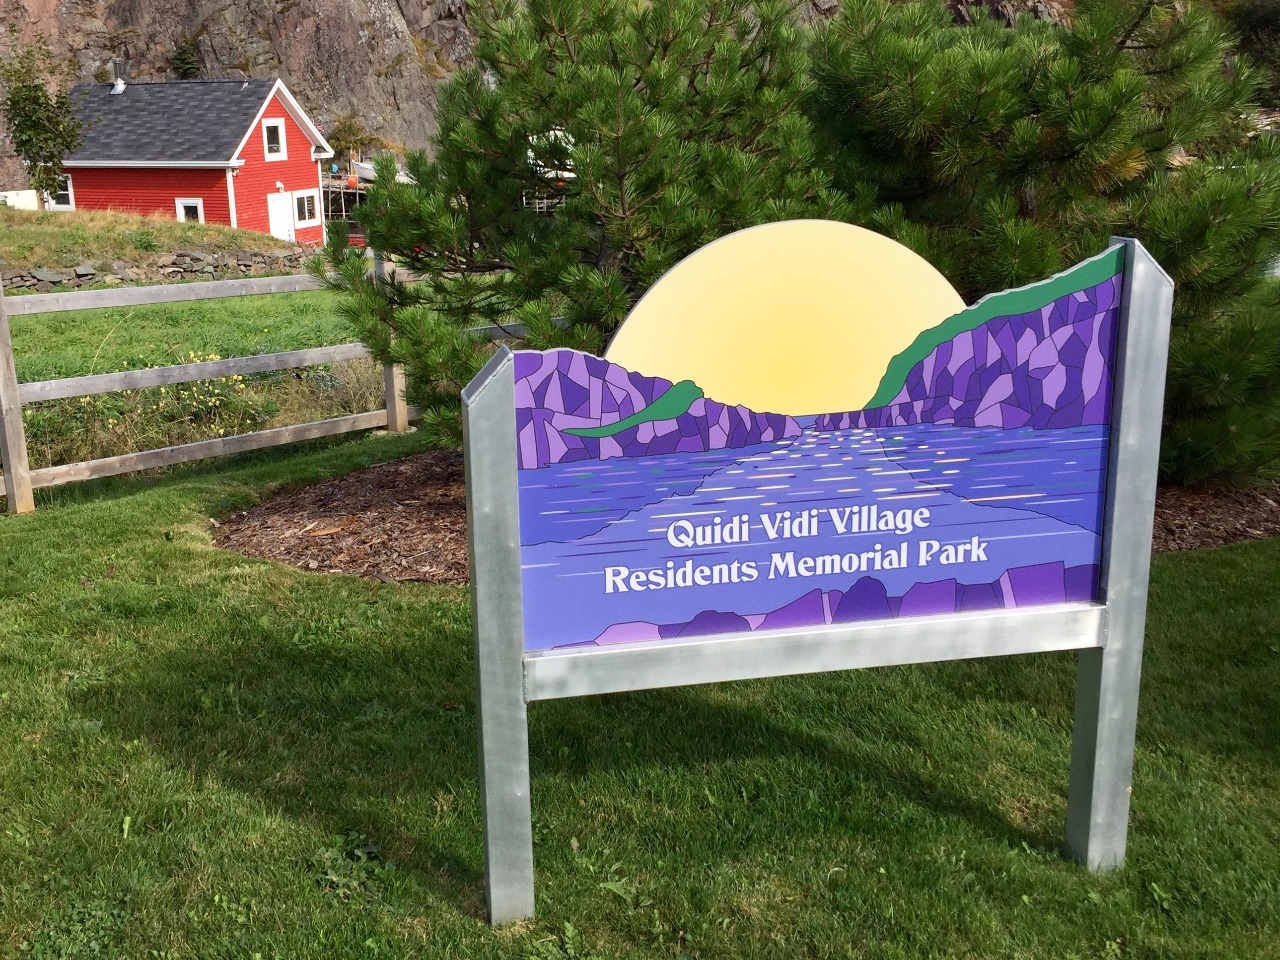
(236, 152)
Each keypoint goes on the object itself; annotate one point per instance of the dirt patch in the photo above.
(407, 520)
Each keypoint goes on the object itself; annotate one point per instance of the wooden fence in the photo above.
(20, 480)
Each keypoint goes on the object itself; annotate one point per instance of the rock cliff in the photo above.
(381, 60)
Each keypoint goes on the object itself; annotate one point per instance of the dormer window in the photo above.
(273, 142)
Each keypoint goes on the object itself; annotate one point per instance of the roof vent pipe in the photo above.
(119, 68)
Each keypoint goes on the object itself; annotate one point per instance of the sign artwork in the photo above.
(855, 457)
(803, 452)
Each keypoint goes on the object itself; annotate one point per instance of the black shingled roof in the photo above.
(191, 121)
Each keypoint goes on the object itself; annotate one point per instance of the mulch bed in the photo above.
(407, 520)
(403, 520)
(1188, 519)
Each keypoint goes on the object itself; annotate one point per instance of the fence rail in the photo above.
(203, 449)
(20, 480)
(25, 306)
(187, 373)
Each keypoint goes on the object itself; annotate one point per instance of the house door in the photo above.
(280, 215)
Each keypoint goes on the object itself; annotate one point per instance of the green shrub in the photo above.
(681, 121)
(143, 240)
(1005, 154)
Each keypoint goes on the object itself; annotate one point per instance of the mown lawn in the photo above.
(81, 342)
(203, 755)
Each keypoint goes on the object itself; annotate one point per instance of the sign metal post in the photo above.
(494, 535)
(1106, 714)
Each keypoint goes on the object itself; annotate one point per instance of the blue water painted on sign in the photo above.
(1000, 499)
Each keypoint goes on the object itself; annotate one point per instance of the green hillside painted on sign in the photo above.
(670, 405)
(1090, 273)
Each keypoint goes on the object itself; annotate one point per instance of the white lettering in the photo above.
(613, 577)
(680, 534)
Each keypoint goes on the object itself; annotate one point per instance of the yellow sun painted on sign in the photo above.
(800, 317)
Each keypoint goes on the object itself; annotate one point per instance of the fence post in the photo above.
(397, 408)
(1107, 679)
(393, 373)
(13, 437)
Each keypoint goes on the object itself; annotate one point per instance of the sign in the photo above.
(803, 452)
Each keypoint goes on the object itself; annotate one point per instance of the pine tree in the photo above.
(185, 59)
(591, 147)
(1003, 155)
(351, 140)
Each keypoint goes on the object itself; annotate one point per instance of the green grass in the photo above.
(203, 755)
(62, 239)
(76, 343)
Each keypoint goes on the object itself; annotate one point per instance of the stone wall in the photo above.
(168, 268)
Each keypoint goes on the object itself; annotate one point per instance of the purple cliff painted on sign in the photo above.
(650, 513)
(1046, 368)
(562, 390)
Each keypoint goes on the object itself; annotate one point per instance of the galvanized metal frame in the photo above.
(778, 653)
(1106, 711)
(493, 521)
(1108, 634)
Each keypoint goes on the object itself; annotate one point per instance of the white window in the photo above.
(306, 207)
(273, 142)
(65, 198)
(190, 209)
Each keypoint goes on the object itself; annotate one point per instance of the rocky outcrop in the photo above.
(965, 12)
(1050, 367)
(381, 60)
(560, 394)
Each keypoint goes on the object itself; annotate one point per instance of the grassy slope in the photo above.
(66, 239)
(182, 730)
(76, 343)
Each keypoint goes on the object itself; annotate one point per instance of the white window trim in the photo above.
(315, 200)
(49, 201)
(284, 143)
(231, 198)
(181, 202)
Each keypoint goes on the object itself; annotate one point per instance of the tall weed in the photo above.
(90, 428)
